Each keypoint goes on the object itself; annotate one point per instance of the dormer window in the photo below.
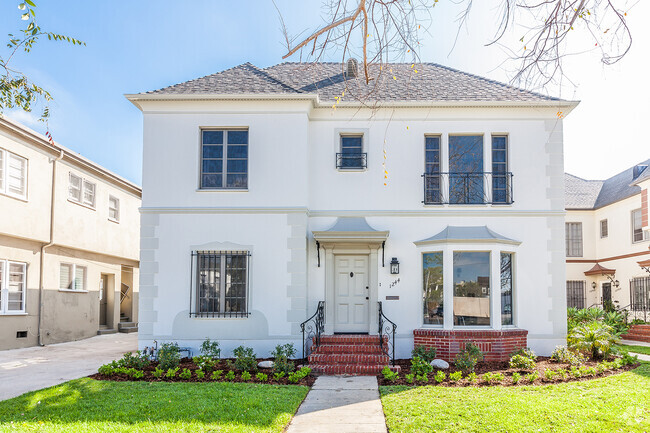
(351, 156)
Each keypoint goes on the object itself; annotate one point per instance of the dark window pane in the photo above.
(432, 143)
(466, 153)
(471, 289)
(237, 181)
(237, 166)
(211, 181)
(213, 151)
(237, 151)
(506, 289)
(499, 156)
(499, 143)
(212, 166)
(432, 288)
(237, 137)
(212, 137)
(351, 142)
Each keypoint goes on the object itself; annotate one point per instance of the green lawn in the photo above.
(636, 349)
(96, 406)
(615, 403)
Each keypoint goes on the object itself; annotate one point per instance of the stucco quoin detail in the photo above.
(495, 345)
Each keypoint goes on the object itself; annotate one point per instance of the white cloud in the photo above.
(25, 118)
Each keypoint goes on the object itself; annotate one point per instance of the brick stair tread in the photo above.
(368, 370)
(638, 338)
(348, 359)
(349, 339)
(347, 349)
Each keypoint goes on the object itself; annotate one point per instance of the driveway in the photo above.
(32, 368)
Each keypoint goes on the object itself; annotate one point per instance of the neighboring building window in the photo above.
(433, 288)
(500, 176)
(575, 294)
(604, 230)
(114, 208)
(12, 287)
(81, 190)
(471, 288)
(222, 284)
(640, 294)
(573, 239)
(13, 174)
(432, 179)
(638, 234)
(224, 159)
(72, 277)
(351, 155)
(506, 289)
(466, 184)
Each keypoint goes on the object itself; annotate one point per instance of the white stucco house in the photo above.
(267, 200)
(608, 241)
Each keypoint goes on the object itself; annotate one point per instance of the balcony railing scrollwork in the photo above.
(387, 329)
(468, 188)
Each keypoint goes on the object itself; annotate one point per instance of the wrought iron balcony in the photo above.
(351, 161)
(467, 188)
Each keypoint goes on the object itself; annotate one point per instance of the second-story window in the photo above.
(113, 208)
(466, 185)
(81, 191)
(573, 239)
(638, 234)
(13, 174)
(432, 179)
(500, 176)
(351, 155)
(604, 230)
(224, 159)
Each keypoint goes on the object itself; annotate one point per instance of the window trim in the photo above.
(195, 285)
(567, 240)
(73, 281)
(433, 325)
(82, 191)
(363, 153)
(4, 288)
(224, 167)
(4, 174)
(508, 199)
(604, 233)
(117, 208)
(645, 234)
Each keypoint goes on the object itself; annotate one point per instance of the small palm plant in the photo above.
(595, 338)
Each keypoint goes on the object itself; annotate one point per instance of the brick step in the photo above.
(348, 348)
(644, 339)
(350, 339)
(637, 333)
(356, 369)
(329, 359)
(644, 327)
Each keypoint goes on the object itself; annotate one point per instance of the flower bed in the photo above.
(121, 374)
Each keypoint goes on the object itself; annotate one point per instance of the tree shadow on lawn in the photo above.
(87, 400)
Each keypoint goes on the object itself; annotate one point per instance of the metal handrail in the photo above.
(468, 188)
(312, 329)
(387, 328)
(351, 161)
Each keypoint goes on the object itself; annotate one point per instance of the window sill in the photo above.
(18, 313)
(242, 316)
(114, 220)
(16, 197)
(222, 190)
(81, 204)
(352, 170)
(73, 291)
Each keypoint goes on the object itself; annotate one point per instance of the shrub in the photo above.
(200, 374)
(106, 370)
(521, 362)
(471, 378)
(171, 373)
(532, 377)
(278, 376)
(488, 377)
(424, 378)
(210, 349)
(617, 321)
(138, 361)
(420, 366)
(205, 363)
(137, 374)
(389, 374)
(158, 373)
(565, 355)
(575, 372)
(169, 356)
(230, 376)
(440, 376)
(595, 338)
(185, 374)
(527, 353)
(516, 377)
(629, 359)
(245, 359)
(423, 353)
(468, 357)
(245, 376)
(216, 375)
(549, 374)
(410, 378)
(262, 377)
(297, 375)
(281, 358)
(455, 376)
(562, 373)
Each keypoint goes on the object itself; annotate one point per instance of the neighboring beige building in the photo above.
(608, 240)
(69, 243)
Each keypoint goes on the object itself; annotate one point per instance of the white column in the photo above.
(448, 287)
(495, 288)
(373, 289)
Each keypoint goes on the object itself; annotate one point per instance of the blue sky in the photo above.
(135, 46)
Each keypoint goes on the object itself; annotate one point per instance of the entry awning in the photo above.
(645, 264)
(600, 270)
(351, 229)
(469, 234)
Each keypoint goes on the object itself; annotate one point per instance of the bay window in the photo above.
(433, 288)
(471, 288)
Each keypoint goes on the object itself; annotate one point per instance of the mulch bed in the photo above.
(543, 363)
(221, 365)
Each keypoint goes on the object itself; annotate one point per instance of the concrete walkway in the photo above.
(341, 404)
(32, 368)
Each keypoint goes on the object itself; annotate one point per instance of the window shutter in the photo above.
(16, 175)
(80, 278)
(65, 278)
(74, 190)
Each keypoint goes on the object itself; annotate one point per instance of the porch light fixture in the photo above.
(394, 266)
(593, 285)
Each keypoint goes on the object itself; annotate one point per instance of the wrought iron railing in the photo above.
(640, 298)
(351, 161)
(312, 329)
(387, 330)
(468, 188)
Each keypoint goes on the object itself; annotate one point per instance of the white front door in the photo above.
(351, 293)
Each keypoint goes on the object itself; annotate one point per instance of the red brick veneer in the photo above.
(495, 345)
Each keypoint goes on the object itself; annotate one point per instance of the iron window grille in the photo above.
(220, 284)
(575, 294)
(640, 294)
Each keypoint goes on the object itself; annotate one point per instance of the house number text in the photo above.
(394, 283)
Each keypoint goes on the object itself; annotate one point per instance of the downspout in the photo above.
(44, 246)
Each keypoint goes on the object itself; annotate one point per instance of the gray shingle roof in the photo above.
(595, 194)
(465, 234)
(432, 82)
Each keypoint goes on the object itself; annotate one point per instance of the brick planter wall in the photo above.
(495, 345)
